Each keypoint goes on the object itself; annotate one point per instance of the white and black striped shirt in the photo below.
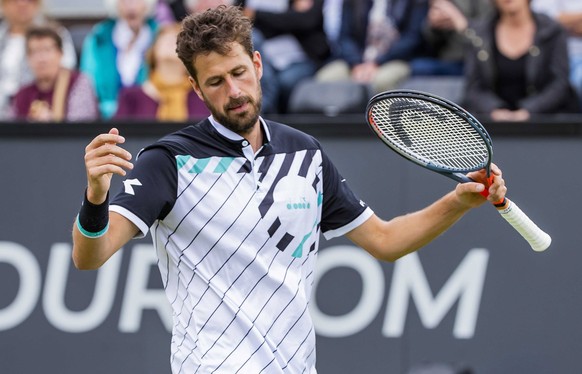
(237, 234)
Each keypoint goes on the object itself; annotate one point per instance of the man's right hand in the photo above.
(103, 158)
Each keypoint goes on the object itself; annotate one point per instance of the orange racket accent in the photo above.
(498, 204)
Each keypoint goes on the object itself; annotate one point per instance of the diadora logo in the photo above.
(129, 184)
(299, 205)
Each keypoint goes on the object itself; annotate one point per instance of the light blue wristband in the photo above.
(89, 234)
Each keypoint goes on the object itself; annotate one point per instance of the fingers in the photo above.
(108, 149)
(111, 137)
(497, 189)
(470, 188)
(495, 169)
(103, 155)
(493, 188)
(495, 185)
(105, 164)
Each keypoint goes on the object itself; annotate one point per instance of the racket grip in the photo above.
(537, 238)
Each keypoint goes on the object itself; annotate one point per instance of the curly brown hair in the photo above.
(213, 31)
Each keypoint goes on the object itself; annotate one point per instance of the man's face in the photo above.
(44, 58)
(230, 87)
(20, 12)
(134, 12)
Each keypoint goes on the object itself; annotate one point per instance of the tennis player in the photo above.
(235, 205)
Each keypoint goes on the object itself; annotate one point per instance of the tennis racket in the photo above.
(443, 137)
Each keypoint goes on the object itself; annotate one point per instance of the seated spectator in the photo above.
(377, 40)
(569, 14)
(172, 11)
(113, 53)
(163, 13)
(17, 16)
(292, 42)
(57, 93)
(332, 19)
(443, 32)
(197, 6)
(177, 8)
(167, 95)
(517, 65)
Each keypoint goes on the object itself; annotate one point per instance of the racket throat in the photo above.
(459, 177)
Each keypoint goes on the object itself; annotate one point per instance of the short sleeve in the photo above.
(149, 190)
(342, 210)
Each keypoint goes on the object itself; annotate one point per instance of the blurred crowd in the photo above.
(514, 58)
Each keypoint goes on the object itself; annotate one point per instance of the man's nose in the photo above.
(233, 87)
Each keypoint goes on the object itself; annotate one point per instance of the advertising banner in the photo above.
(477, 297)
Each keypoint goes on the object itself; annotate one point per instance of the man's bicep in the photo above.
(379, 238)
(365, 234)
(121, 231)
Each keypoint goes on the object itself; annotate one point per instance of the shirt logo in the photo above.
(302, 203)
(129, 183)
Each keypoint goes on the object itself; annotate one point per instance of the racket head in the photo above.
(430, 131)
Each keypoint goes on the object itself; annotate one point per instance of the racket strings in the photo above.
(430, 133)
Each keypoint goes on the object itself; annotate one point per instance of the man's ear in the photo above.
(196, 87)
(258, 63)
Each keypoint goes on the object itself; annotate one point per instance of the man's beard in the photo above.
(241, 123)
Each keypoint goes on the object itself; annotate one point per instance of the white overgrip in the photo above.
(536, 237)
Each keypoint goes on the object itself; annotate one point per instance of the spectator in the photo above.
(569, 14)
(113, 53)
(377, 39)
(167, 94)
(290, 36)
(163, 13)
(517, 65)
(332, 20)
(57, 93)
(177, 8)
(18, 15)
(197, 6)
(443, 31)
(171, 11)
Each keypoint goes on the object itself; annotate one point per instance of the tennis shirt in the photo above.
(236, 234)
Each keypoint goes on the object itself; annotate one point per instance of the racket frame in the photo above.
(456, 174)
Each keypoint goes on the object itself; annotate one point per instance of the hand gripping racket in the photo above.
(443, 137)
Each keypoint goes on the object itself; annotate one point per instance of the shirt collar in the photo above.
(229, 134)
